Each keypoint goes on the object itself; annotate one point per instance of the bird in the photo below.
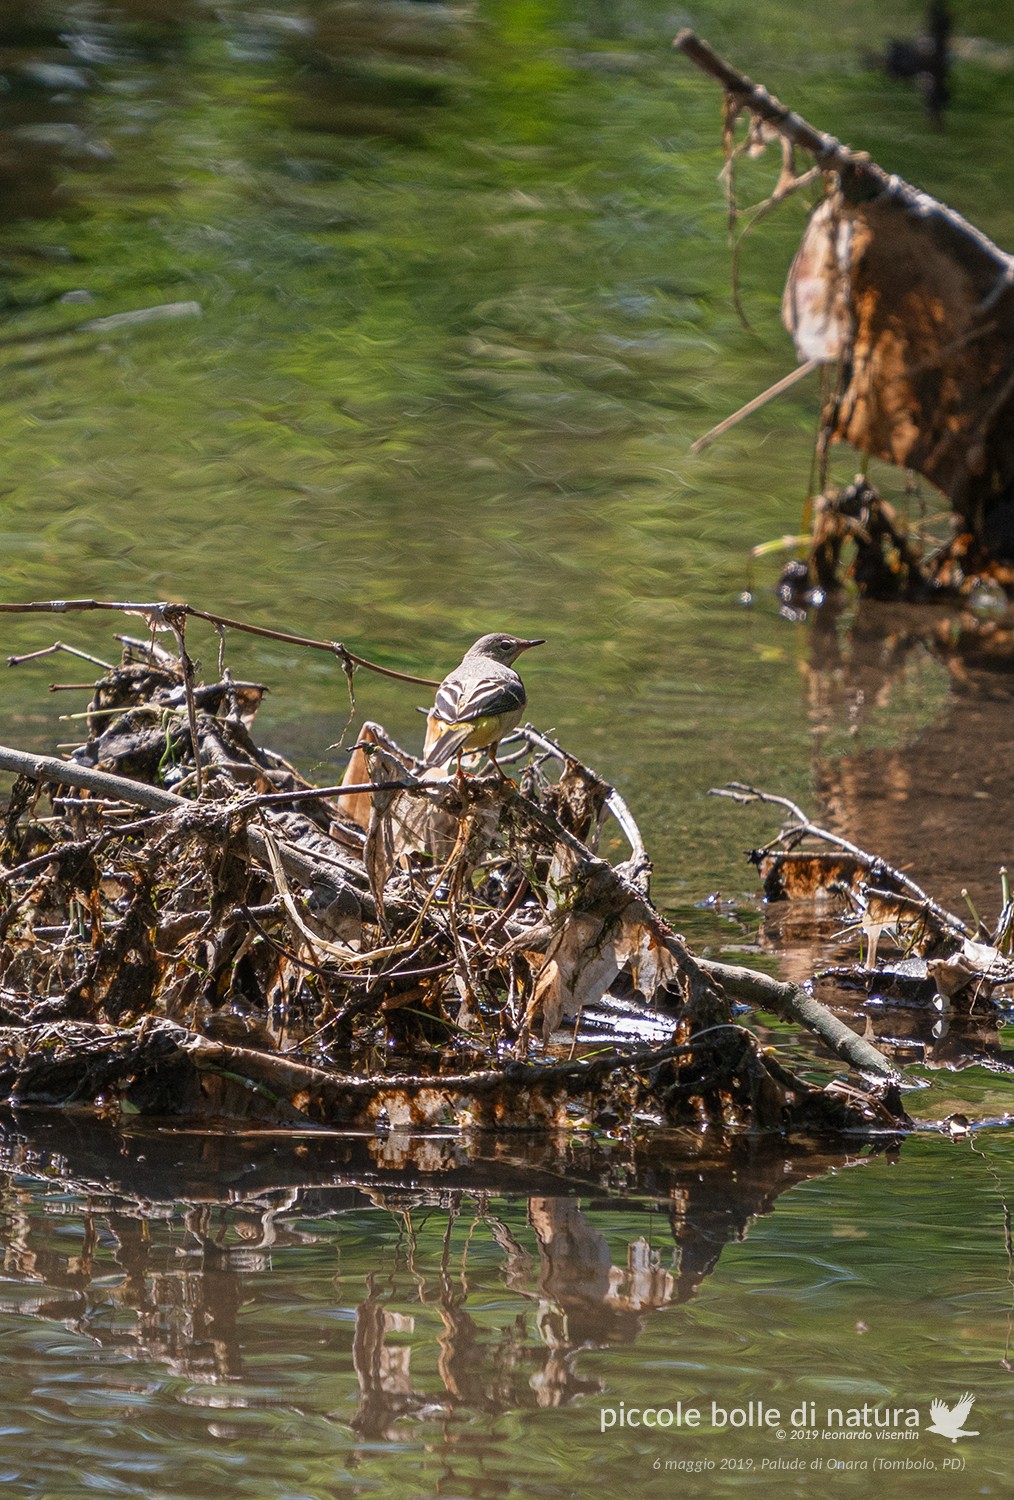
(479, 702)
(949, 1421)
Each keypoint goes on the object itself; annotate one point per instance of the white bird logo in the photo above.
(949, 1420)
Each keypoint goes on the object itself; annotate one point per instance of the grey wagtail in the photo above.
(479, 702)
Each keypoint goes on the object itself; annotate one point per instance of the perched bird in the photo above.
(479, 702)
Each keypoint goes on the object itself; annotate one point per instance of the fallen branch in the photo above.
(53, 772)
(803, 827)
(791, 1002)
(52, 1065)
(860, 175)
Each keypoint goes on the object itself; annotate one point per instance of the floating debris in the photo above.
(910, 309)
(189, 927)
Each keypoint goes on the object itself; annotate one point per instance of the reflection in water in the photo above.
(929, 796)
(377, 69)
(41, 112)
(372, 68)
(913, 761)
(159, 1260)
(275, 1316)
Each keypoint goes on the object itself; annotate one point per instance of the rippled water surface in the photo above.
(347, 1317)
(446, 298)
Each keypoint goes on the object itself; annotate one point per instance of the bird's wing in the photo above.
(939, 1409)
(459, 702)
(961, 1410)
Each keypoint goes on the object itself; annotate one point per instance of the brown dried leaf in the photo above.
(815, 303)
(923, 305)
(800, 875)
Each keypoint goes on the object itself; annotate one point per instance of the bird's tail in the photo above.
(447, 744)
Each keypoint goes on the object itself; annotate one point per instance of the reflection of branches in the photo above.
(421, 1292)
(385, 1383)
(186, 1319)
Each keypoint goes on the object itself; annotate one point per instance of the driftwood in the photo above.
(402, 949)
(946, 964)
(911, 303)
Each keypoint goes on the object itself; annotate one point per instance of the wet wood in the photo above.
(403, 901)
(913, 304)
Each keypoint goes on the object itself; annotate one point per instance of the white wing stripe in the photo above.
(456, 701)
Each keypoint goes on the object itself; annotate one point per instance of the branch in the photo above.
(786, 383)
(860, 177)
(793, 1003)
(47, 768)
(157, 615)
(640, 862)
(738, 791)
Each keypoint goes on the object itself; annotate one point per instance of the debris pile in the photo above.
(909, 311)
(189, 927)
(913, 951)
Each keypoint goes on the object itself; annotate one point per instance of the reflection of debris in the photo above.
(154, 1264)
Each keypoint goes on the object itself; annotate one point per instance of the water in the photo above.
(346, 1317)
(464, 303)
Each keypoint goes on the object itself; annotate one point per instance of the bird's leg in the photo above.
(459, 774)
(491, 752)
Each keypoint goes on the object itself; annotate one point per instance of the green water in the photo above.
(464, 303)
(379, 1333)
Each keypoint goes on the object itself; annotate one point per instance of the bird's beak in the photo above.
(527, 645)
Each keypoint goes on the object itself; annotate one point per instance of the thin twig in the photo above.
(780, 386)
(615, 803)
(311, 794)
(178, 627)
(156, 613)
(16, 661)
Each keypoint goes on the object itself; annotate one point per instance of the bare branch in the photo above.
(156, 612)
(738, 791)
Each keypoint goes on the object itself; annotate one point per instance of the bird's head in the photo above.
(502, 648)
